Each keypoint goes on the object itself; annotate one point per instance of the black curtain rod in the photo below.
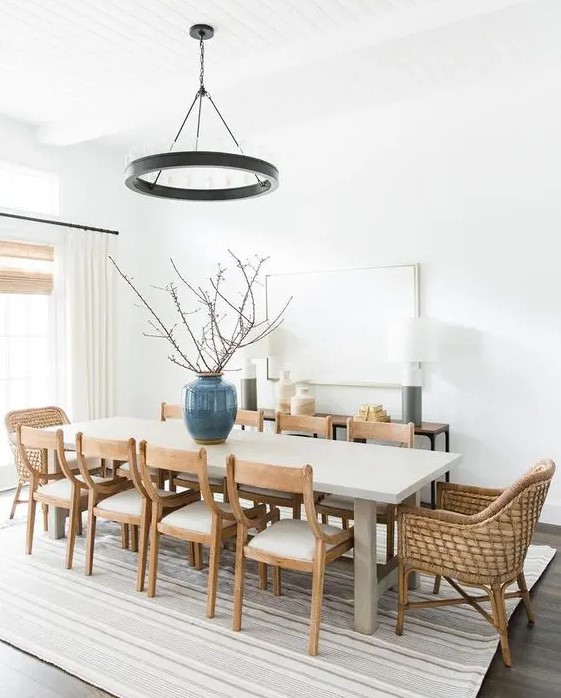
(65, 225)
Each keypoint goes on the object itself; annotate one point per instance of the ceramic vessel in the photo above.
(303, 402)
(285, 390)
(209, 408)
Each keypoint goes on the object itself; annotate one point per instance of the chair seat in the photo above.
(192, 479)
(126, 502)
(91, 463)
(125, 467)
(336, 501)
(196, 517)
(62, 489)
(263, 492)
(290, 538)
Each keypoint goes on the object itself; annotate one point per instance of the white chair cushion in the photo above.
(192, 479)
(265, 492)
(91, 463)
(127, 502)
(338, 502)
(196, 517)
(63, 488)
(290, 538)
(125, 467)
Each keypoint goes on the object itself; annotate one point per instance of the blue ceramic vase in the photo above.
(209, 408)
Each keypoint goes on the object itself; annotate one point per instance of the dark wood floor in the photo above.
(536, 652)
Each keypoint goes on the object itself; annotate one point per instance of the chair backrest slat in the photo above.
(271, 477)
(250, 418)
(402, 434)
(170, 412)
(308, 424)
(39, 418)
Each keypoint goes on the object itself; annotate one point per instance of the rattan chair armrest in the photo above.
(441, 515)
(465, 499)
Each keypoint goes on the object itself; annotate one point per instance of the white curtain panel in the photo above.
(89, 320)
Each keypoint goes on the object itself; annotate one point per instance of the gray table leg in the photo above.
(57, 516)
(366, 579)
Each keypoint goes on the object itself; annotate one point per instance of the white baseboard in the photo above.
(551, 513)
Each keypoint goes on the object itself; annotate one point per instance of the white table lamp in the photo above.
(412, 341)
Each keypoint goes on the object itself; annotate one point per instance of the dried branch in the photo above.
(212, 342)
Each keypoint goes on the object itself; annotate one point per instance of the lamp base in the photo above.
(248, 393)
(412, 404)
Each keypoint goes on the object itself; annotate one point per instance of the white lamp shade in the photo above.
(412, 339)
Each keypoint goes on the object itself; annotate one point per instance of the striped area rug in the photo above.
(101, 630)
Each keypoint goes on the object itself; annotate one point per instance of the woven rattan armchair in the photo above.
(38, 418)
(478, 537)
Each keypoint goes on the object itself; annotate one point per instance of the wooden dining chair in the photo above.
(477, 537)
(187, 480)
(318, 427)
(342, 507)
(291, 544)
(122, 499)
(250, 418)
(38, 418)
(203, 522)
(62, 489)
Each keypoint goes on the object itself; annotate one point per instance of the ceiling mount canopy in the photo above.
(266, 176)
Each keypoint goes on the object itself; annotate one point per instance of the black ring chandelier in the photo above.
(266, 175)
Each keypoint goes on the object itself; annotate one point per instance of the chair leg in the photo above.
(214, 563)
(80, 529)
(402, 598)
(16, 500)
(345, 524)
(144, 531)
(325, 519)
(74, 516)
(198, 556)
(154, 549)
(262, 576)
(134, 537)
(436, 587)
(526, 598)
(45, 517)
(297, 506)
(499, 615)
(276, 580)
(90, 539)
(172, 486)
(239, 579)
(32, 506)
(124, 536)
(390, 533)
(191, 549)
(317, 596)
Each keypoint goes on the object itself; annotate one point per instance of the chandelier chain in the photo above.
(202, 71)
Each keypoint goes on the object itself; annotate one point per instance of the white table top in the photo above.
(363, 471)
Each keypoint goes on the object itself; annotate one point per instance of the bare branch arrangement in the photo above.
(218, 320)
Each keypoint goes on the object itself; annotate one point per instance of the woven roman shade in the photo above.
(26, 267)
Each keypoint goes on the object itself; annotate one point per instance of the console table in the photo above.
(428, 429)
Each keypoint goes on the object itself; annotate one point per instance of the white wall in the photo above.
(468, 184)
(91, 193)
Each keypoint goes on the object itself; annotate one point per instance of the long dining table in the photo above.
(368, 473)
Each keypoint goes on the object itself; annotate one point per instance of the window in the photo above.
(32, 191)
(26, 366)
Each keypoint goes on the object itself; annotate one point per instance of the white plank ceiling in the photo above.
(127, 69)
